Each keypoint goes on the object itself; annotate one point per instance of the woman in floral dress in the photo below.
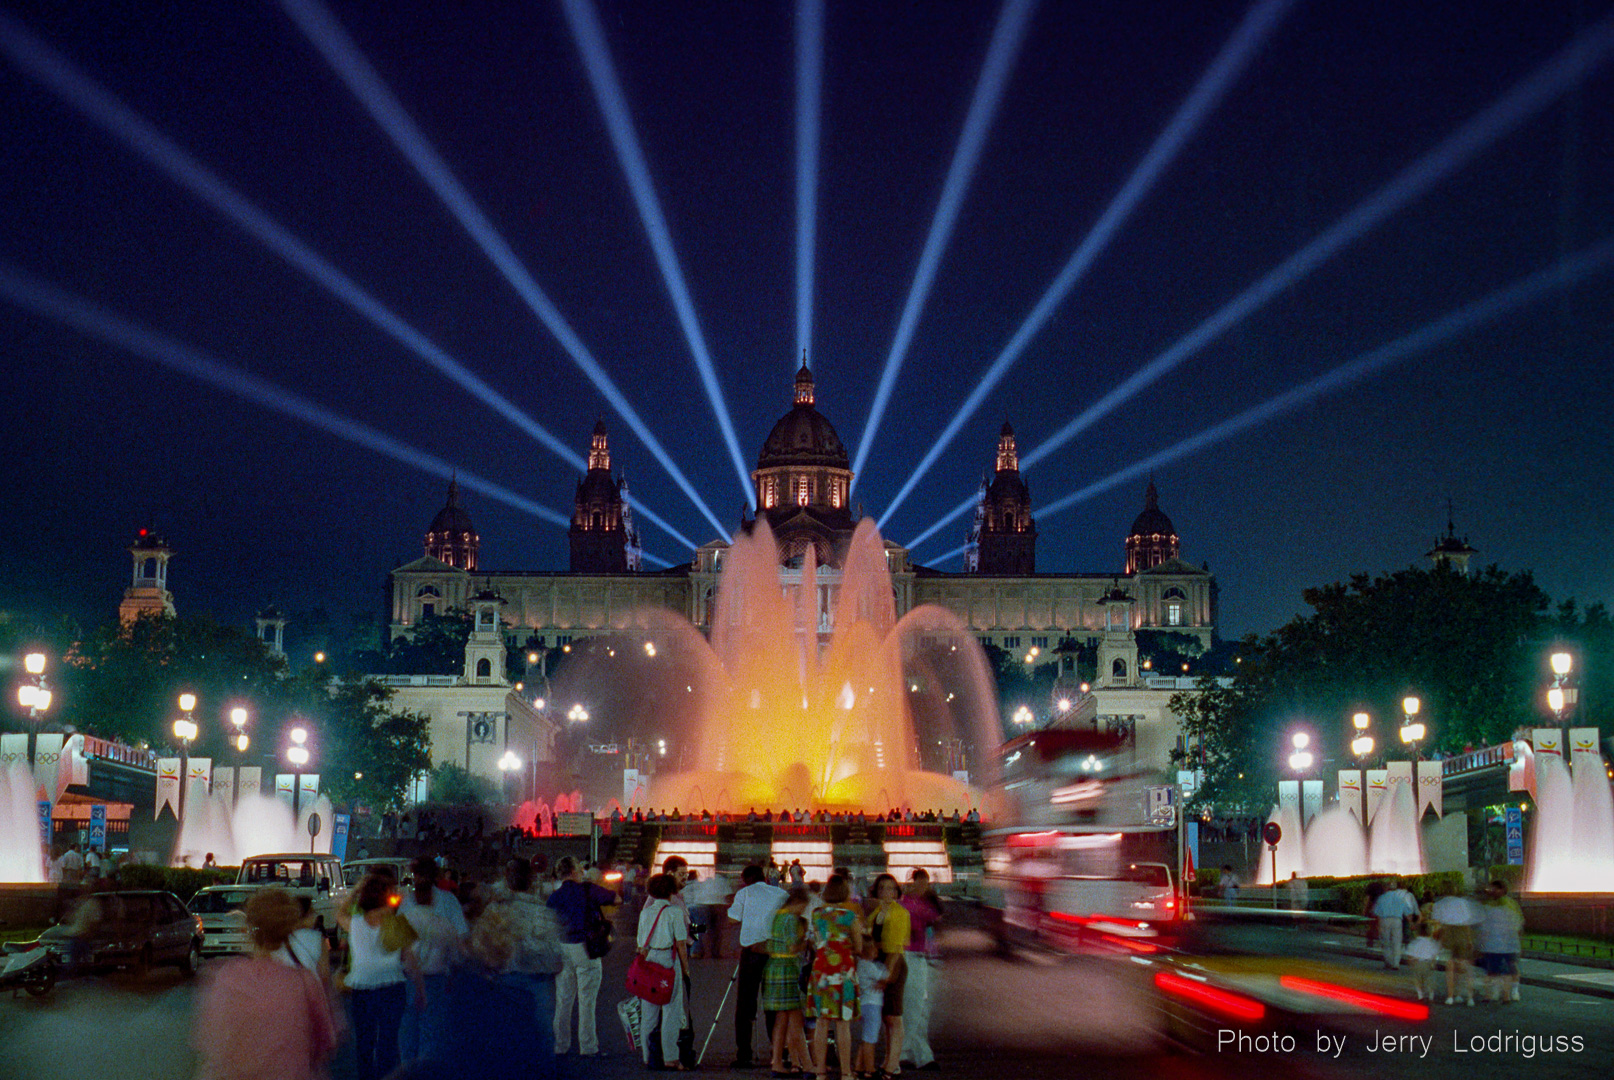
(838, 927)
(781, 982)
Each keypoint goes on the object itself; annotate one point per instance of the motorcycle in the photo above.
(27, 966)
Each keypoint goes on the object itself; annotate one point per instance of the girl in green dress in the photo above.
(781, 982)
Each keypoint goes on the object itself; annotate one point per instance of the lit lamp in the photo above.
(1412, 730)
(577, 714)
(1362, 747)
(238, 717)
(509, 762)
(185, 731)
(1300, 758)
(1022, 716)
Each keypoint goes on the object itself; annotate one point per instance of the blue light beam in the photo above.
(1534, 93)
(1528, 97)
(57, 73)
(1223, 72)
(1563, 275)
(590, 38)
(1000, 57)
(809, 92)
(92, 320)
(327, 35)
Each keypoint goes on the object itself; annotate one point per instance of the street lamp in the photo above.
(1412, 730)
(1300, 758)
(1023, 717)
(577, 714)
(1362, 747)
(509, 762)
(238, 717)
(185, 731)
(187, 703)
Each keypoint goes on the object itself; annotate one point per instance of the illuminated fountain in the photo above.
(1572, 848)
(811, 693)
(21, 854)
(1336, 845)
(255, 825)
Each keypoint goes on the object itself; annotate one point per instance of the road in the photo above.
(1032, 1015)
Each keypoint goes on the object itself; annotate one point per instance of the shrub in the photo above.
(182, 881)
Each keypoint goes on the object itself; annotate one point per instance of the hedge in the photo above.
(182, 881)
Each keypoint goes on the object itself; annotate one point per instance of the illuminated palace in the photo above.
(803, 484)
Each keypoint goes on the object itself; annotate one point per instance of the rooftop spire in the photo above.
(599, 450)
(804, 383)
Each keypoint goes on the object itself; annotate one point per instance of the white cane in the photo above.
(713, 1030)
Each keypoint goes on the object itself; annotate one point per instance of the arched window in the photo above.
(1118, 669)
(427, 590)
(484, 668)
(597, 521)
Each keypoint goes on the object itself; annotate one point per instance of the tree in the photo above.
(453, 785)
(435, 647)
(1469, 646)
(380, 750)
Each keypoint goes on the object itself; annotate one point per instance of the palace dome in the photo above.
(1153, 521)
(803, 436)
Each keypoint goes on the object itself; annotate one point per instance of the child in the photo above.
(871, 979)
(1423, 951)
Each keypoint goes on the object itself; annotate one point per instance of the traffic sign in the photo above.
(1272, 832)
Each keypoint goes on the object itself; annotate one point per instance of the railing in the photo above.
(1475, 760)
(122, 753)
(1568, 948)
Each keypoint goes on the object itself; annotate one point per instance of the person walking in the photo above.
(838, 929)
(754, 907)
(1390, 909)
(578, 904)
(1497, 940)
(257, 1018)
(663, 938)
(375, 976)
(891, 929)
(438, 920)
(924, 912)
(520, 939)
(782, 992)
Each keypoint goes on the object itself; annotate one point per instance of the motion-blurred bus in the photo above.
(1085, 849)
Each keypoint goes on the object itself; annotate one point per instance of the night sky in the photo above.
(1511, 421)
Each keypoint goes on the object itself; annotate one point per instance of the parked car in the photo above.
(353, 872)
(219, 908)
(317, 876)
(137, 929)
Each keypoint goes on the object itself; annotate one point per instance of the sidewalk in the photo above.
(1535, 969)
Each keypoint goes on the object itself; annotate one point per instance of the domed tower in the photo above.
(602, 535)
(804, 481)
(1152, 540)
(1449, 551)
(1004, 537)
(452, 538)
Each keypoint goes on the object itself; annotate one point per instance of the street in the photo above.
(1033, 1014)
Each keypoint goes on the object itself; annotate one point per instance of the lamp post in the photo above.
(1412, 733)
(299, 755)
(185, 731)
(1362, 747)
(1561, 697)
(238, 717)
(1023, 717)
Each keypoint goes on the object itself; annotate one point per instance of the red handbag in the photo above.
(647, 980)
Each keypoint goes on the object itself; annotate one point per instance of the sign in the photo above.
(1272, 833)
(1161, 807)
(1431, 788)
(632, 791)
(1311, 800)
(13, 750)
(98, 827)
(1513, 822)
(1583, 748)
(47, 761)
(46, 833)
(307, 790)
(286, 790)
(339, 834)
(249, 782)
(224, 784)
(1548, 741)
(314, 824)
(1378, 782)
(571, 824)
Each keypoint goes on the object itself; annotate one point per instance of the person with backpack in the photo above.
(582, 908)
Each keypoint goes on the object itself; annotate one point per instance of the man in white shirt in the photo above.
(1389, 910)
(754, 908)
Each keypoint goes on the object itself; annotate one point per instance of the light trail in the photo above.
(1000, 57)
(1529, 96)
(327, 35)
(53, 70)
(90, 319)
(1240, 48)
(809, 93)
(1489, 308)
(590, 38)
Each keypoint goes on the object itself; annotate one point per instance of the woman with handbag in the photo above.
(663, 942)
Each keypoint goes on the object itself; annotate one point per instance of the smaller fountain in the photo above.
(1336, 845)
(255, 825)
(1572, 845)
(22, 856)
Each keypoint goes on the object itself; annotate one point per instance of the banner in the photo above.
(167, 785)
(249, 782)
(1399, 772)
(75, 768)
(1583, 748)
(1548, 740)
(339, 831)
(630, 787)
(224, 784)
(307, 791)
(98, 827)
(1311, 799)
(1350, 791)
(1289, 799)
(200, 772)
(1431, 788)
(1378, 784)
(47, 762)
(13, 750)
(286, 790)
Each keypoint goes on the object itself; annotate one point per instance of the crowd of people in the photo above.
(440, 977)
(1476, 938)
